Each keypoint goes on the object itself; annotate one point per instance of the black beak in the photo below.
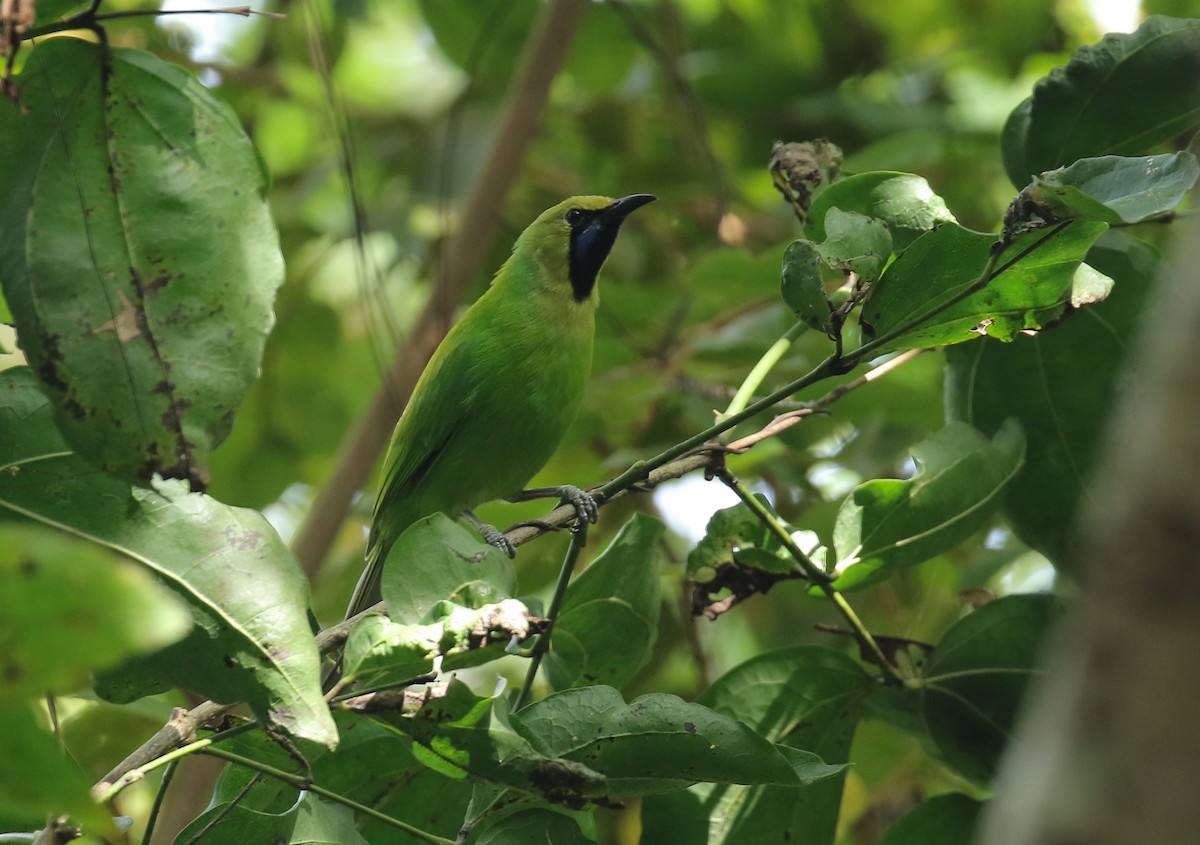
(625, 206)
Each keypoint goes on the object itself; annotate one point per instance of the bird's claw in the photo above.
(493, 536)
(585, 506)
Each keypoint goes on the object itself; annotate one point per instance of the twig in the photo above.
(300, 782)
(578, 541)
(815, 575)
(543, 56)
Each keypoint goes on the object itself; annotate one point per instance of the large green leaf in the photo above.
(251, 640)
(311, 820)
(140, 260)
(609, 619)
(1121, 96)
(435, 560)
(587, 744)
(805, 697)
(944, 819)
(973, 681)
(1116, 189)
(886, 524)
(1061, 384)
(535, 825)
(69, 607)
(659, 742)
(38, 780)
(1031, 285)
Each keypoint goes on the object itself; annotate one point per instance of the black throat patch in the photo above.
(593, 234)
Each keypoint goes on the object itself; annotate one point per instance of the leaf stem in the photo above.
(816, 576)
(88, 18)
(764, 366)
(159, 795)
(578, 541)
(301, 782)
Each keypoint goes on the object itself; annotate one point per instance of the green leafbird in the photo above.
(503, 386)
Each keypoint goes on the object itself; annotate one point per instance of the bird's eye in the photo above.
(575, 216)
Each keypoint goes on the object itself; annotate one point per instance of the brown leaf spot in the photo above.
(124, 322)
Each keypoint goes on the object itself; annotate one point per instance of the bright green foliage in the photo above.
(825, 708)
(143, 275)
(439, 560)
(887, 524)
(1114, 189)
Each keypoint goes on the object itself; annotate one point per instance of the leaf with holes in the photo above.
(141, 261)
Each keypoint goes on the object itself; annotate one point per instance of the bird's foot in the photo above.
(493, 536)
(585, 506)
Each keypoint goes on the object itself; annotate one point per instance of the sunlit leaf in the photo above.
(1030, 286)
(1116, 189)
(886, 524)
(142, 262)
(903, 201)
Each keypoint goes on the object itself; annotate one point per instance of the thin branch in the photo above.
(544, 53)
(578, 541)
(88, 18)
(301, 782)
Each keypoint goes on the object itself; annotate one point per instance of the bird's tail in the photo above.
(366, 591)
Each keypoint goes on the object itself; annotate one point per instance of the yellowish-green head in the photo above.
(571, 240)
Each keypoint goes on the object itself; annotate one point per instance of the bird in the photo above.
(503, 386)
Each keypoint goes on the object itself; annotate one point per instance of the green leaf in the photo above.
(1062, 385)
(1031, 285)
(886, 524)
(461, 735)
(804, 696)
(69, 607)
(527, 826)
(903, 201)
(659, 742)
(856, 243)
(248, 596)
(141, 262)
(975, 678)
(379, 650)
(734, 536)
(436, 559)
(1121, 96)
(609, 620)
(1115, 189)
(38, 780)
(311, 820)
(801, 285)
(944, 819)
